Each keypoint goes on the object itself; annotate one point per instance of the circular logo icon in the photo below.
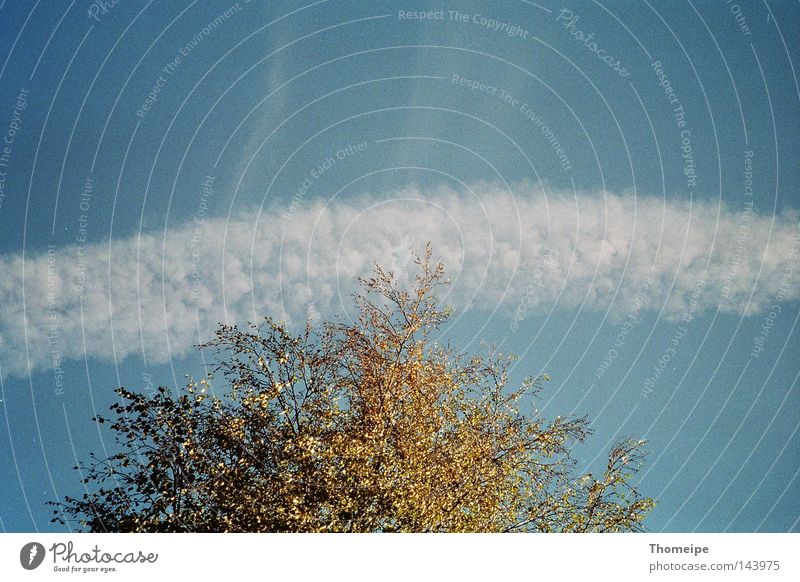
(31, 555)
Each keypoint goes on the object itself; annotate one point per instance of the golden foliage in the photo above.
(357, 427)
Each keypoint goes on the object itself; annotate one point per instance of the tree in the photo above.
(362, 426)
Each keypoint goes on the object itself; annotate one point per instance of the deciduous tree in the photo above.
(362, 426)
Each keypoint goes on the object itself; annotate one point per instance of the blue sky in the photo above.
(613, 187)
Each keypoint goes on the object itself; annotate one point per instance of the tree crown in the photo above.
(358, 426)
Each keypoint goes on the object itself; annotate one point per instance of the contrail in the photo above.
(155, 291)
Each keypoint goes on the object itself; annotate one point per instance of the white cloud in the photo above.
(497, 247)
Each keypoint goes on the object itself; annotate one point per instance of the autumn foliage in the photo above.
(364, 426)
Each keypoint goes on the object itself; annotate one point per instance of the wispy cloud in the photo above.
(152, 293)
